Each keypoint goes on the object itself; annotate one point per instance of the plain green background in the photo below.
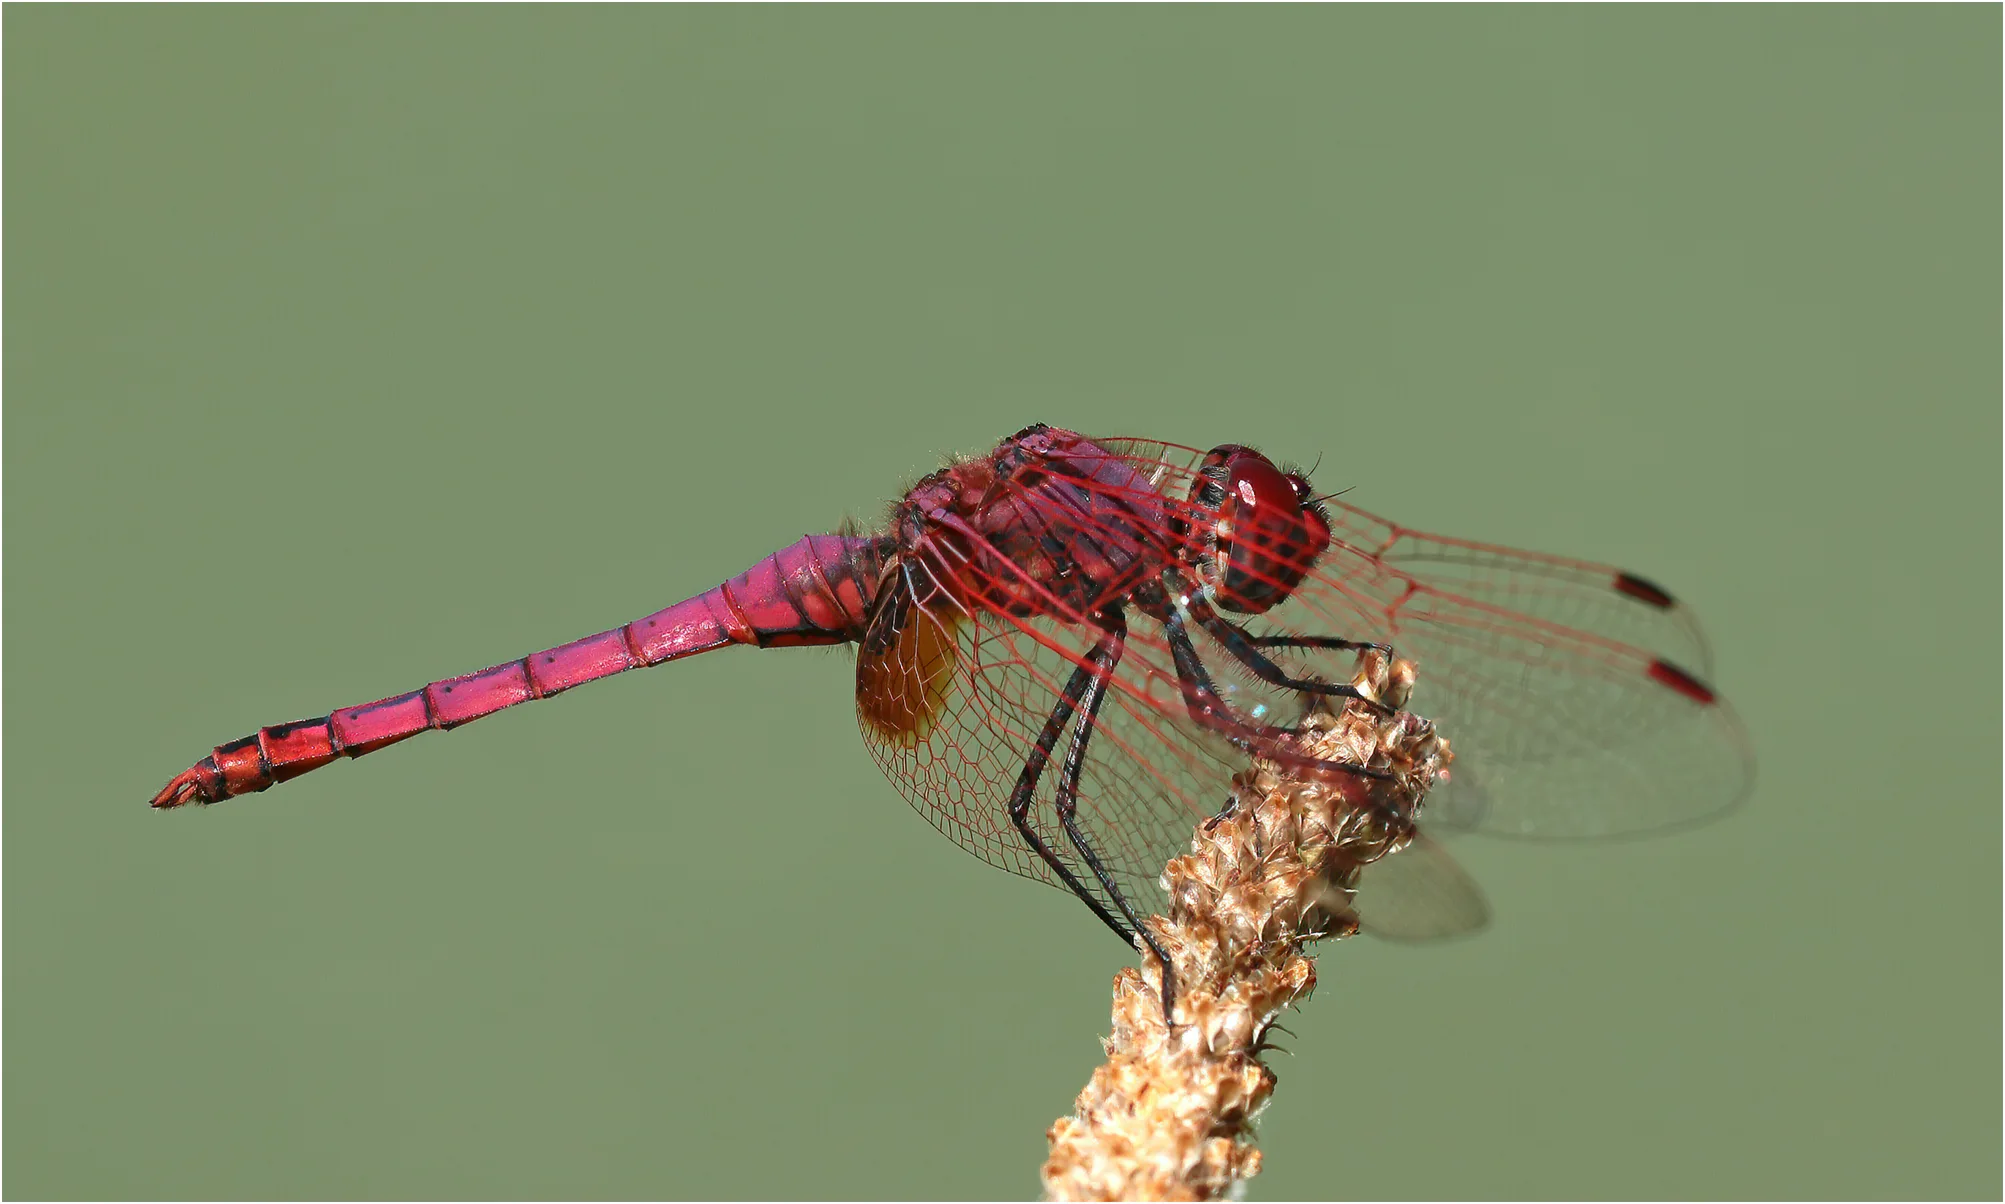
(352, 348)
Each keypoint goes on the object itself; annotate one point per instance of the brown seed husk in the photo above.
(1169, 1116)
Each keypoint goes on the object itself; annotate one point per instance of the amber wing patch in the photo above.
(905, 670)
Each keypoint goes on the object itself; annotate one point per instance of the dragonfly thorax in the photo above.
(1048, 524)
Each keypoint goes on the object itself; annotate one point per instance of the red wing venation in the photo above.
(1573, 695)
(1150, 777)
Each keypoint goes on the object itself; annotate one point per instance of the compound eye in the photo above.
(1266, 540)
(1256, 491)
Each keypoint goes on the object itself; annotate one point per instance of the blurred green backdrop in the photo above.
(350, 348)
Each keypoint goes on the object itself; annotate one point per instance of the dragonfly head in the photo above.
(1265, 530)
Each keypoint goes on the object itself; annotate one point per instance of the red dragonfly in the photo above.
(1151, 616)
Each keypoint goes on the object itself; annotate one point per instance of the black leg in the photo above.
(1025, 793)
(1310, 641)
(1201, 700)
(1246, 650)
(1104, 657)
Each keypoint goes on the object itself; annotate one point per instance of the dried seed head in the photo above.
(1168, 1117)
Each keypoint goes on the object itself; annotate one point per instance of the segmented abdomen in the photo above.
(817, 591)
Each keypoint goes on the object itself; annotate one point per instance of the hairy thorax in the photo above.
(1048, 524)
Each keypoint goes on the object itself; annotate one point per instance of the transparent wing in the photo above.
(1419, 894)
(1574, 694)
(988, 687)
(953, 754)
(1559, 730)
(1618, 606)
(1151, 776)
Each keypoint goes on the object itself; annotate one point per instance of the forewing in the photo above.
(1581, 595)
(1561, 726)
(1576, 695)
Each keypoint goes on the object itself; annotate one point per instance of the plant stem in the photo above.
(1169, 1116)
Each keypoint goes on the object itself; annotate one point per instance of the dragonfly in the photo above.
(1065, 649)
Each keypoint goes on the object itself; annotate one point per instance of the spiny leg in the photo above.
(1105, 656)
(1025, 794)
(1310, 641)
(1088, 681)
(1202, 701)
(1245, 649)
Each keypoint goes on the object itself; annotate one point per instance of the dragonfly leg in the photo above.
(1311, 641)
(1105, 655)
(1245, 649)
(1025, 794)
(1202, 700)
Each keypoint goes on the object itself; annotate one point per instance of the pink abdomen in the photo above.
(817, 591)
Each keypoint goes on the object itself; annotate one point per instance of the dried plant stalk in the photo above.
(1169, 1116)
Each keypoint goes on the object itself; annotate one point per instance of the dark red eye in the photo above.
(1267, 533)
